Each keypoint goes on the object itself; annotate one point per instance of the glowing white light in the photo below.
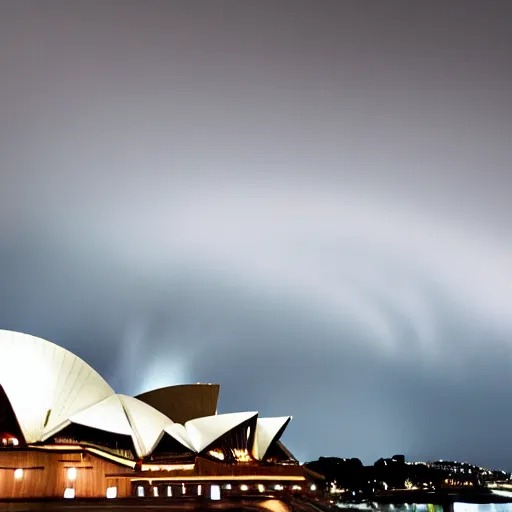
(296, 488)
(71, 474)
(164, 371)
(199, 490)
(69, 493)
(227, 487)
(183, 489)
(15, 442)
(215, 492)
(155, 492)
(18, 474)
(278, 487)
(169, 491)
(261, 488)
(244, 487)
(217, 454)
(313, 487)
(435, 241)
(111, 492)
(506, 494)
(140, 491)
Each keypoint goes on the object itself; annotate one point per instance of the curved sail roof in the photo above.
(46, 384)
(147, 423)
(268, 430)
(49, 388)
(184, 402)
(108, 415)
(179, 432)
(125, 415)
(204, 431)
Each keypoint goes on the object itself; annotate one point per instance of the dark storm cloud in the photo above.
(305, 201)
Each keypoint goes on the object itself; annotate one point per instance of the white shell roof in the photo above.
(268, 430)
(204, 431)
(147, 423)
(121, 414)
(108, 415)
(179, 432)
(49, 388)
(45, 383)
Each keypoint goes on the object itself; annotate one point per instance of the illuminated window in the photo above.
(71, 474)
(155, 492)
(69, 493)
(261, 488)
(183, 489)
(9, 440)
(278, 487)
(296, 487)
(18, 474)
(227, 487)
(111, 492)
(169, 491)
(217, 454)
(241, 455)
(199, 490)
(244, 487)
(140, 491)
(215, 492)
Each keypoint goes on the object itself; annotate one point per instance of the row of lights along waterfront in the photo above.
(215, 491)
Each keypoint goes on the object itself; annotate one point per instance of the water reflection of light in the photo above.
(416, 507)
(476, 507)
(507, 494)
(466, 507)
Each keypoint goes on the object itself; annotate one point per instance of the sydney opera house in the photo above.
(64, 432)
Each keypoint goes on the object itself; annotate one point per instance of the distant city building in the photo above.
(348, 479)
(464, 471)
(64, 432)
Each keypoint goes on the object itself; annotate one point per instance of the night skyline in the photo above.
(306, 202)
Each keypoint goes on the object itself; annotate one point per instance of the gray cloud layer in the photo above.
(305, 201)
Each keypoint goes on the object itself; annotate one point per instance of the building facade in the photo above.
(65, 433)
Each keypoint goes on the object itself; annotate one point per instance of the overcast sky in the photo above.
(307, 202)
